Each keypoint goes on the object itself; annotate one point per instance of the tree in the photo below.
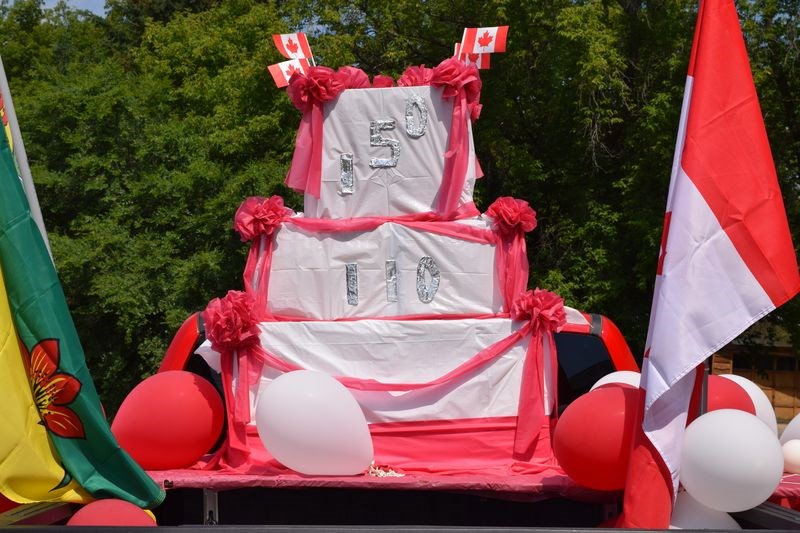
(140, 165)
(147, 128)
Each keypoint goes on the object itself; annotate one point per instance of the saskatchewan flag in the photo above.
(55, 443)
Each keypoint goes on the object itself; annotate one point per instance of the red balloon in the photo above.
(724, 393)
(592, 439)
(169, 420)
(111, 513)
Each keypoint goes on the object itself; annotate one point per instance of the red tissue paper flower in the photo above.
(382, 80)
(352, 78)
(260, 216)
(456, 76)
(511, 215)
(320, 85)
(231, 323)
(53, 390)
(415, 77)
(544, 309)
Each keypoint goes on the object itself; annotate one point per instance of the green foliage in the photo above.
(146, 129)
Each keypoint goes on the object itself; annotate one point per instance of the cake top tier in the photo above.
(368, 150)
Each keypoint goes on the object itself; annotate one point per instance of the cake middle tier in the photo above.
(386, 269)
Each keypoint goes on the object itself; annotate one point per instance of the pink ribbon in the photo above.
(309, 92)
(544, 311)
(257, 269)
(257, 220)
(512, 219)
(462, 83)
(456, 159)
(305, 172)
(232, 328)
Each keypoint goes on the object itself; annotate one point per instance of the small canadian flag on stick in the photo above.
(484, 40)
(479, 60)
(281, 72)
(292, 45)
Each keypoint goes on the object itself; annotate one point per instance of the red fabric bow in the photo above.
(512, 218)
(545, 314)
(320, 85)
(231, 325)
(456, 78)
(381, 80)
(230, 322)
(352, 78)
(415, 77)
(260, 216)
(512, 215)
(308, 92)
(543, 309)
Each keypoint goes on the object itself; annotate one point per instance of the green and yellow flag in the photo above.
(55, 443)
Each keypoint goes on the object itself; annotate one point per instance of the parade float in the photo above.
(386, 362)
(385, 337)
(386, 346)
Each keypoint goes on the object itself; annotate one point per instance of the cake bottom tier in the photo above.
(465, 423)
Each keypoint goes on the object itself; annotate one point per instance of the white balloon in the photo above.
(312, 424)
(791, 456)
(791, 431)
(627, 377)
(688, 513)
(764, 409)
(731, 460)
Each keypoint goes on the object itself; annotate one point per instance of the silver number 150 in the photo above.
(414, 129)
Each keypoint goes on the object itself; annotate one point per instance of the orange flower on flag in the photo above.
(53, 390)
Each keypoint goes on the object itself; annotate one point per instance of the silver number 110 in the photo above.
(428, 279)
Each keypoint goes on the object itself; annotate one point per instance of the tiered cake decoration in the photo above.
(393, 283)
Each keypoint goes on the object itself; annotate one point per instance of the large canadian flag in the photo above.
(726, 257)
(484, 40)
(281, 72)
(292, 45)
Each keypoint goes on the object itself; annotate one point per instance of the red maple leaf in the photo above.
(289, 71)
(291, 46)
(473, 58)
(485, 39)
